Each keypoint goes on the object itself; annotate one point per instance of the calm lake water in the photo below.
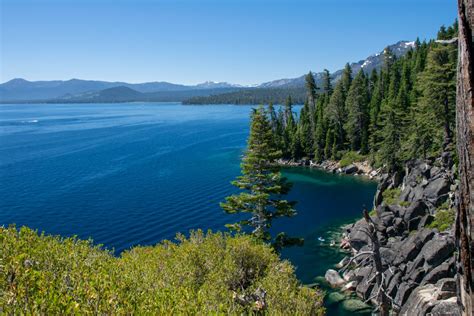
(130, 174)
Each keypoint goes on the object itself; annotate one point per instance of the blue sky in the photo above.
(245, 41)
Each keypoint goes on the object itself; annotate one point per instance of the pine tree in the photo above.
(346, 78)
(337, 114)
(305, 131)
(326, 82)
(438, 89)
(311, 89)
(356, 104)
(261, 182)
(289, 130)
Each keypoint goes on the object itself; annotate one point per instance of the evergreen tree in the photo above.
(337, 114)
(438, 89)
(289, 130)
(356, 104)
(305, 131)
(326, 82)
(346, 78)
(261, 182)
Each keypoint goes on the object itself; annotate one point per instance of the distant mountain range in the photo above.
(76, 90)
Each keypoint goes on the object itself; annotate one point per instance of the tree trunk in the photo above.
(465, 149)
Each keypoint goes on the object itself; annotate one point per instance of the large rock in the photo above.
(447, 307)
(404, 291)
(410, 247)
(420, 302)
(358, 237)
(444, 270)
(392, 287)
(350, 169)
(333, 278)
(419, 208)
(436, 189)
(355, 306)
(438, 249)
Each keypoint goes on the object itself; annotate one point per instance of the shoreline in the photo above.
(362, 168)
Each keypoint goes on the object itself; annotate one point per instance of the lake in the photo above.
(137, 173)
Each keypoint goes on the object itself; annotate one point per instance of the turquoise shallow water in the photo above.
(129, 174)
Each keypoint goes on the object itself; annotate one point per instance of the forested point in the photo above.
(207, 273)
(404, 111)
(252, 96)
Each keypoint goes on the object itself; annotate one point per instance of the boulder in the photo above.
(388, 255)
(417, 275)
(444, 270)
(364, 288)
(418, 208)
(362, 273)
(387, 218)
(350, 169)
(438, 249)
(447, 307)
(393, 284)
(334, 298)
(420, 302)
(412, 245)
(358, 236)
(348, 275)
(404, 291)
(355, 306)
(437, 188)
(333, 278)
(413, 265)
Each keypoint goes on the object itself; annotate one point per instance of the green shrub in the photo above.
(444, 218)
(350, 157)
(390, 196)
(405, 203)
(202, 274)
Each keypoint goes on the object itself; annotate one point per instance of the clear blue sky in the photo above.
(245, 41)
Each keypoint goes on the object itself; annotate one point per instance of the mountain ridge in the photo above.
(22, 90)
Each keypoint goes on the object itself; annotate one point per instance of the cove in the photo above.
(136, 173)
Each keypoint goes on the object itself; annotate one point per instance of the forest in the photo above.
(403, 111)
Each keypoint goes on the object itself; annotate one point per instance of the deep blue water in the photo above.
(129, 174)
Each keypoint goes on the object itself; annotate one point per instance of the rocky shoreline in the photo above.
(362, 168)
(417, 254)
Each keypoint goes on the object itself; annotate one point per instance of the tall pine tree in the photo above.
(261, 183)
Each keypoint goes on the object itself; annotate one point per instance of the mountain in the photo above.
(372, 62)
(278, 90)
(126, 94)
(21, 90)
(24, 90)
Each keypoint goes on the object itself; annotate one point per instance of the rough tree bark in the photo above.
(465, 149)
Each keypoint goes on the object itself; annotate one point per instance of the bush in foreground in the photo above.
(211, 273)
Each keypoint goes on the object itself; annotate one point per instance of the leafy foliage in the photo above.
(206, 273)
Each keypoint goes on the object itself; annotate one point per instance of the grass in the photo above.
(206, 273)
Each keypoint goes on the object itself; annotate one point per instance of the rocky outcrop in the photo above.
(417, 260)
(357, 168)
